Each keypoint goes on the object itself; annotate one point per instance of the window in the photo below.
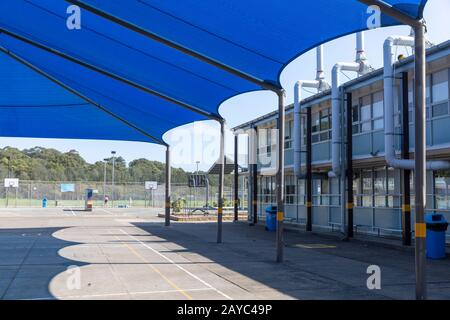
(289, 130)
(267, 190)
(301, 191)
(321, 192)
(377, 110)
(321, 125)
(436, 109)
(265, 138)
(365, 114)
(442, 190)
(290, 187)
(367, 189)
(379, 184)
(439, 93)
(355, 117)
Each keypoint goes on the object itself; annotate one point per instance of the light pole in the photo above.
(105, 161)
(112, 179)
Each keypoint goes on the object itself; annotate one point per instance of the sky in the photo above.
(204, 136)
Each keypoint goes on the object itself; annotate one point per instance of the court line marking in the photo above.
(117, 294)
(148, 263)
(177, 265)
(107, 211)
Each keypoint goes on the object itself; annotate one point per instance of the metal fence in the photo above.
(31, 194)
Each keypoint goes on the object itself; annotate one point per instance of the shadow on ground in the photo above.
(315, 267)
(29, 260)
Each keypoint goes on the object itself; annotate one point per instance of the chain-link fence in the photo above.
(32, 193)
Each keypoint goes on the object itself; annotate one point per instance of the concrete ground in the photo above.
(129, 254)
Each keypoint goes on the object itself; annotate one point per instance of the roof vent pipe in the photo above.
(361, 67)
(389, 132)
(320, 84)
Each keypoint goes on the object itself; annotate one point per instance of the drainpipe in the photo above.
(361, 67)
(389, 132)
(335, 114)
(320, 84)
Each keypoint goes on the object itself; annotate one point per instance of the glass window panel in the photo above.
(391, 180)
(410, 94)
(378, 105)
(315, 138)
(428, 91)
(324, 120)
(380, 201)
(365, 112)
(355, 115)
(367, 188)
(366, 127)
(380, 181)
(288, 130)
(378, 124)
(315, 122)
(440, 109)
(440, 86)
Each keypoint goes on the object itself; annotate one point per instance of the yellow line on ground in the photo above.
(170, 282)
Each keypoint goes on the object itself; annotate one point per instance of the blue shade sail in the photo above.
(257, 37)
(33, 106)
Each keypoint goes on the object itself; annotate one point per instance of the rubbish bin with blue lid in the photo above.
(436, 228)
(271, 218)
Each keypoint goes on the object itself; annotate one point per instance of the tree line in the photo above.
(46, 164)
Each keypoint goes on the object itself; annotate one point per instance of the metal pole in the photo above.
(406, 206)
(255, 191)
(104, 179)
(236, 178)
(112, 178)
(420, 160)
(221, 180)
(308, 169)
(168, 181)
(280, 176)
(349, 166)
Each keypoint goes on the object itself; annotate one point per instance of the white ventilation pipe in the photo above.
(389, 132)
(335, 113)
(361, 66)
(320, 84)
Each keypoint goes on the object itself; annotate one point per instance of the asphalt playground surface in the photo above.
(128, 254)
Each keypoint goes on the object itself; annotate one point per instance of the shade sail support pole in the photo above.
(221, 181)
(349, 150)
(420, 141)
(236, 178)
(308, 169)
(280, 178)
(420, 161)
(167, 189)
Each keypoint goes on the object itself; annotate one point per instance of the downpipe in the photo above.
(389, 130)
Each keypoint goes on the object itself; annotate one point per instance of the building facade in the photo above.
(377, 189)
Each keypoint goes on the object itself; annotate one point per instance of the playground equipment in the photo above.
(198, 181)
